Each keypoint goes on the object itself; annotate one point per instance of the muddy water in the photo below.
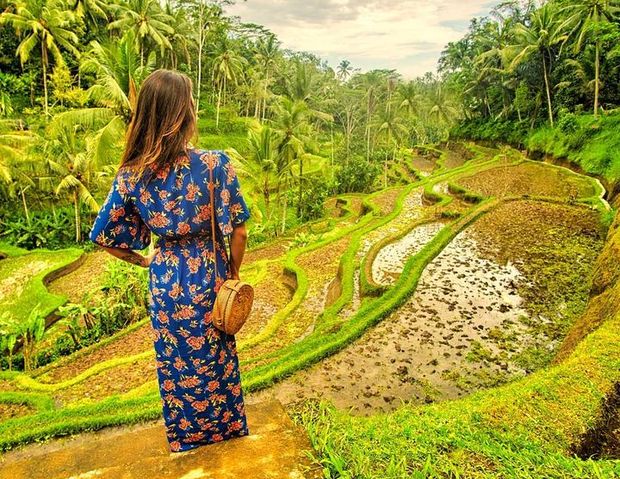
(412, 210)
(486, 309)
(389, 262)
(420, 352)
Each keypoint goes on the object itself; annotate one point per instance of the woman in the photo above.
(162, 186)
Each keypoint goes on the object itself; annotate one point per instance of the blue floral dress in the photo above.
(197, 364)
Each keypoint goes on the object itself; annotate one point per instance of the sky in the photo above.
(406, 35)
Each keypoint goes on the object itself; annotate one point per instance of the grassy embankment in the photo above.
(525, 429)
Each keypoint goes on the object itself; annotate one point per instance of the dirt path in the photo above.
(275, 449)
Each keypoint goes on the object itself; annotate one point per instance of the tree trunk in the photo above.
(25, 207)
(78, 225)
(597, 68)
(265, 94)
(547, 87)
(267, 198)
(217, 112)
(44, 64)
(301, 174)
(284, 213)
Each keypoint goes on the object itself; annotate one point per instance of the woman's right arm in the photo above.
(238, 240)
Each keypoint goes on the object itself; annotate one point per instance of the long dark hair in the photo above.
(161, 125)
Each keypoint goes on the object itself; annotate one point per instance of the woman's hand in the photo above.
(146, 262)
(131, 256)
(238, 241)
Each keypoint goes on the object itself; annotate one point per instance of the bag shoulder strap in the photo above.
(212, 193)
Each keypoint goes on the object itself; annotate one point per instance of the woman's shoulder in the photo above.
(217, 157)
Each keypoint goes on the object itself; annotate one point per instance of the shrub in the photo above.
(357, 176)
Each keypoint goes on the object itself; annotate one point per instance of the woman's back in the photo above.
(175, 203)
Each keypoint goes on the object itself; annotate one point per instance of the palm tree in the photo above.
(13, 158)
(13, 140)
(544, 32)
(148, 22)
(291, 121)
(91, 10)
(206, 16)
(262, 162)
(370, 84)
(179, 40)
(345, 69)
(75, 171)
(588, 13)
(267, 52)
(349, 114)
(227, 67)
(390, 126)
(303, 83)
(441, 107)
(47, 24)
(118, 76)
(409, 97)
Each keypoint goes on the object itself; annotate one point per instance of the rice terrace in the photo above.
(434, 257)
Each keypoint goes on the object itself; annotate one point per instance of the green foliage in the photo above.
(313, 200)
(356, 176)
(44, 229)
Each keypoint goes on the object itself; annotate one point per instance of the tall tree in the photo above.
(545, 31)
(148, 22)
(267, 52)
(344, 70)
(47, 24)
(228, 68)
(587, 16)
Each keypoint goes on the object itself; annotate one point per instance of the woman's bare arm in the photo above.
(238, 240)
(131, 256)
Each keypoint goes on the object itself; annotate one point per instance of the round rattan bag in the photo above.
(234, 299)
(233, 304)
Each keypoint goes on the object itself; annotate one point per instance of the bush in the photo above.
(46, 229)
(313, 199)
(357, 176)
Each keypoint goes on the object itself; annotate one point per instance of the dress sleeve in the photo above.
(230, 206)
(118, 223)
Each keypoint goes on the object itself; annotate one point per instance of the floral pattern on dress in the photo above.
(197, 364)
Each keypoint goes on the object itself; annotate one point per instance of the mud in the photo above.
(465, 328)
(531, 179)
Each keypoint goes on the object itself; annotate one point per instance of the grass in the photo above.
(524, 429)
(23, 275)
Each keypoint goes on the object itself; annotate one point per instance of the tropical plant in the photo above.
(587, 16)
(31, 332)
(46, 24)
(148, 22)
(227, 68)
(544, 31)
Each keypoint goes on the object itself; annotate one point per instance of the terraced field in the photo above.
(467, 275)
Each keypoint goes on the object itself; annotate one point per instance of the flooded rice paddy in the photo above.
(476, 318)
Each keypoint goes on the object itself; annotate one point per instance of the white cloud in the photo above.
(407, 35)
